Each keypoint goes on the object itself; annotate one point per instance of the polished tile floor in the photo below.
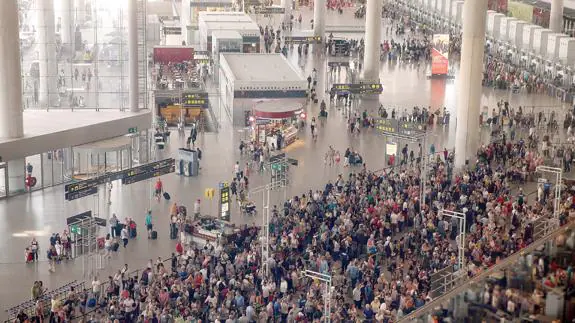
(41, 213)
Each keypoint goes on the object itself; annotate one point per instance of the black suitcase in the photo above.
(154, 235)
(115, 246)
(173, 233)
(315, 101)
(167, 196)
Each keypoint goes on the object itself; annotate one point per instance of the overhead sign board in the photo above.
(358, 88)
(94, 181)
(303, 39)
(269, 10)
(99, 221)
(202, 59)
(91, 190)
(151, 170)
(90, 186)
(195, 100)
(277, 158)
(338, 64)
(172, 30)
(78, 217)
(398, 127)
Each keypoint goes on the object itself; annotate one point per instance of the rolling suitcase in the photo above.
(173, 232)
(154, 235)
(115, 246)
(167, 196)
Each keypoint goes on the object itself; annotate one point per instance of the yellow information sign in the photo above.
(209, 193)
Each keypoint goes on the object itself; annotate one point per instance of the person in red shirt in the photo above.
(159, 189)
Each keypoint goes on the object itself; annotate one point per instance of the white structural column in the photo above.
(67, 21)
(319, 13)
(287, 5)
(11, 123)
(48, 91)
(371, 60)
(133, 54)
(80, 11)
(470, 74)
(556, 16)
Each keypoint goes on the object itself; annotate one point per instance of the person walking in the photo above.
(159, 188)
(52, 255)
(149, 225)
(124, 235)
(114, 225)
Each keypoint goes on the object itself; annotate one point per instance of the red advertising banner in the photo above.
(439, 63)
(440, 54)
(176, 54)
(498, 5)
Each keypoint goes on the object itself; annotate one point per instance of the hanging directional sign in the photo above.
(269, 10)
(78, 218)
(78, 194)
(358, 88)
(398, 127)
(338, 64)
(90, 186)
(151, 170)
(195, 100)
(303, 39)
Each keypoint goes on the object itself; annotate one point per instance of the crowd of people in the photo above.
(522, 290)
(369, 231)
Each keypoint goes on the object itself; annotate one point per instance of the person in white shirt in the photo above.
(129, 306)
(59, 248)
(283, 286)
(237, 170)
(96, 286)
(124, 235)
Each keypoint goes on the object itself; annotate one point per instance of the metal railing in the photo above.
(29, 307)
(459, 285)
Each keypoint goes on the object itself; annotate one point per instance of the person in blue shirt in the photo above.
(239, 301)
(368, 313)
(149, 225)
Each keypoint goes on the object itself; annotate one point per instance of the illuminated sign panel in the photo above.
(393, 127)
(303, 39)
(225, 201)
(195, 100)
(358, 88)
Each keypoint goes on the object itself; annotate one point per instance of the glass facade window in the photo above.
(75, 53)
(3, 180)
(35, 170)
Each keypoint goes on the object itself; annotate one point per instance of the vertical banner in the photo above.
(440, 54)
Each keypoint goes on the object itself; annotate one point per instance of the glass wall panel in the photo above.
(3, 180)
(67, 164)
(47, 173)
(34, 168)
(74, 53)
(58, 166)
